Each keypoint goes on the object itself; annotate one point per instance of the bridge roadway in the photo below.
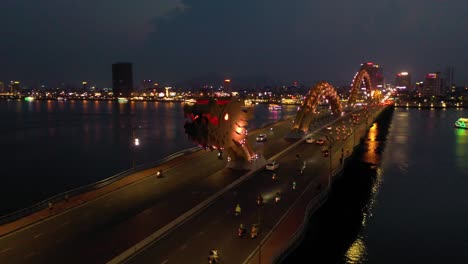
(98, 229)
(216, 226)
(95, 227)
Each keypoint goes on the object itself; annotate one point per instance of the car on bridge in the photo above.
(325, 152)
(261, 138)
(272, 165)
(320, 141)
(310, 140)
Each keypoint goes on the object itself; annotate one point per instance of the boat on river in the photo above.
(461, 123)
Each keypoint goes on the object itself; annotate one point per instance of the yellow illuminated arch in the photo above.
(307, 112)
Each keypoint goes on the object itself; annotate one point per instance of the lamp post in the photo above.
(136, 143)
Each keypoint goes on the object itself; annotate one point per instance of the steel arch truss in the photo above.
(307, 112)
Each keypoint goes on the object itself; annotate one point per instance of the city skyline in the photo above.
(170, 41)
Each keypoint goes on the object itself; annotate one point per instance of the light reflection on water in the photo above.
(461, 149)
(356, 253)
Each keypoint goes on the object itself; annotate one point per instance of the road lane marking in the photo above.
(30, 254)
(65, 223)
(5, 250)
(38, 235)
(165, 261)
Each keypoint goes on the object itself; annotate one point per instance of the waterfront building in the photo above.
(122, 79)
(376, 74)
(403, 80)
(227, 87)
(15, 87)
(449, 79)
(432, 85)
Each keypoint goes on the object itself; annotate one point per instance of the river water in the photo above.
(403, 198)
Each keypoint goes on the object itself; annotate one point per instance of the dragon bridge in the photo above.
(307, 113)
(220, 124)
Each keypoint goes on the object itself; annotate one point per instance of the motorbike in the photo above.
(213, 258)
(277, 198)
(159, 174)
(273, 176)
(259, 201)
(241, 231)
(237, 210)
(254, 231)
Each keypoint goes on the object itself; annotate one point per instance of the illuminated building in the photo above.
(403, 80)
(2, 87)
(227, 88)
(449, 78)
(122, 79)
(84, 85)
(375, 73)
(15, 87)
(432, 85)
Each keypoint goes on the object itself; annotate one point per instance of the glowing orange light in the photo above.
(227, 80)
(226, 117)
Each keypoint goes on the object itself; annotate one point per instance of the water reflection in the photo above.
(461, 148)
(357, 252)
(335, 233)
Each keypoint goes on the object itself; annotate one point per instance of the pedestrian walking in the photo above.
(50, 205)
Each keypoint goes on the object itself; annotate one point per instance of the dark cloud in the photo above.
(283, 40)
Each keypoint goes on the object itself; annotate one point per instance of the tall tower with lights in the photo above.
(122, 79)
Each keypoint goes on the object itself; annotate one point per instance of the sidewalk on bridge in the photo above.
(284, 233)
(80, 199)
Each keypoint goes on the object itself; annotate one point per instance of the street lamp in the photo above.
(136, 143)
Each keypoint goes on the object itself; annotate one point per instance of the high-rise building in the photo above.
(449, 78)
(84, 86)
(15, 87)
(432, 85)
(2, 87)
(376, 75)
(227, 86)
(122, 79)
(403, 80)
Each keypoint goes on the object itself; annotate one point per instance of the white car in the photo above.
(261, 138)
(272, 165)
(310, 140)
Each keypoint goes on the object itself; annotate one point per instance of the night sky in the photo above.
(280, 40)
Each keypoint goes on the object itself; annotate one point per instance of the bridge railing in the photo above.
(90, 187)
